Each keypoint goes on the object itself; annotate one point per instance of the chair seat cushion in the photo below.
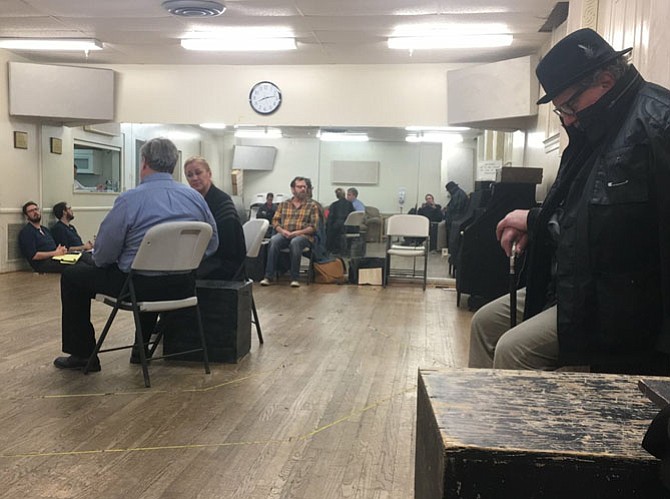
(150, 306)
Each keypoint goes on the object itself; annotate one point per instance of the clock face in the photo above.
(265, 97)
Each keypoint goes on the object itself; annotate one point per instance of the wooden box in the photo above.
(521, 434)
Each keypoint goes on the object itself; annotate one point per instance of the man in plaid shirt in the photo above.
(295, 223)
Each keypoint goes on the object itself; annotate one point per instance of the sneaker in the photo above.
(265, 282)
(295, 284)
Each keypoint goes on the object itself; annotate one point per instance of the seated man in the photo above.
(295, 223)
(64, 233)
(156, 200)
(37, 244)
(352, 197)
(267, 211)
(430, 210)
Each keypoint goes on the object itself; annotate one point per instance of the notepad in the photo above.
(68, 258)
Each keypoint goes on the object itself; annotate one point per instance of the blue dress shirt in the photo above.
(156, 200)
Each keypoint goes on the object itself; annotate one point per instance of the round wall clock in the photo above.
(265, 97)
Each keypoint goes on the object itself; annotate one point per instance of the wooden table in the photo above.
(524, 434)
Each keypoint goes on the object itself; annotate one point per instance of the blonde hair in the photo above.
(197, 159)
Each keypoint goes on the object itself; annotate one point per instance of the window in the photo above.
(97, 167)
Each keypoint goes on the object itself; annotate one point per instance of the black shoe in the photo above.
(135, 356)
(73, 362)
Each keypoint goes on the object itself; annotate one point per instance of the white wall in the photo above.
(333, 95)
(416, 167)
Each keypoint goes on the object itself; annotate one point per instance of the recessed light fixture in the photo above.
(342, 136)
(416, 128)
(81, 44)
(442, 137)
(258, 133)
(213, 126)
(239, 44)
(449, 42)
(242, 39)
(450, 36)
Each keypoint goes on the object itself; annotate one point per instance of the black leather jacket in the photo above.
(609, 269)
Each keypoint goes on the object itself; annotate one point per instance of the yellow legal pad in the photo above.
(68, 258)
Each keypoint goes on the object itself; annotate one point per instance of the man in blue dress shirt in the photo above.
(156, 200)
(352, 197)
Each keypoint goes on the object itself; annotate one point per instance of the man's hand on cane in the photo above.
(513, 230)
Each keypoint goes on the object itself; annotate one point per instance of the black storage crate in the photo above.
(225, 307)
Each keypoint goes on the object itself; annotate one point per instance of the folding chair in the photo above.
(353, 232)
(308, 253)
(171, 247)
(409, 226)
(254, 232)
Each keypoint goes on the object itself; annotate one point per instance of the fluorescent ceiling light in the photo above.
(454, 41)
(179, 135)
(258, 133)
(445, 138)
(414, 128)
(50, 44)
(437, 29)
(242, 39)
(213, 126)
(343, 137)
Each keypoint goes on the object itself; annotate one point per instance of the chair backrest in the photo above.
(173, 246)
(372, 212)
(355, 218)
(254, 232)
(408, 226)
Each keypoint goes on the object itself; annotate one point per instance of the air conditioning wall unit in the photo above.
(497, 96)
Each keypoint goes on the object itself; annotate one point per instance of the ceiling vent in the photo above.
(194, 8)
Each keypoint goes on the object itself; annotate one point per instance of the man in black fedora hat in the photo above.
(598, 264)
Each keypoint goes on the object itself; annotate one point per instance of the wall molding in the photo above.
(552, 143)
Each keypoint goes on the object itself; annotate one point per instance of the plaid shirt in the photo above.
(290, 218)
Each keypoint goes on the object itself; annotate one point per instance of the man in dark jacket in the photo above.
(598, 270)
(337, 214)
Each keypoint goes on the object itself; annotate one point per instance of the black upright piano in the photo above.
(482, 269)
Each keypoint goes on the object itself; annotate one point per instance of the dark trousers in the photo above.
(80, 283)
(50, 266)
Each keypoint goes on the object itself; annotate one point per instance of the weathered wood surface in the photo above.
(490, 434)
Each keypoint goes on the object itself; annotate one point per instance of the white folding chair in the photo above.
(171, 247)
(407, 226)
(254, 232)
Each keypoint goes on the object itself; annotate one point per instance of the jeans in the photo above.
(295, 245)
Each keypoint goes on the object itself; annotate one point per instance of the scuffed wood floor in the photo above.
(325, 408)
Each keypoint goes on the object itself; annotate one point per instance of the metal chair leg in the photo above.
(201, 331)
(256, 321)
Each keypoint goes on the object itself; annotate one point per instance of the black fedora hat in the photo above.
(571, 59)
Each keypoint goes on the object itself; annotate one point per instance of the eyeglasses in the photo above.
(34, 208)
(567, 108)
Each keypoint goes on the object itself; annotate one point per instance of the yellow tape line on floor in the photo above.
(219, 445)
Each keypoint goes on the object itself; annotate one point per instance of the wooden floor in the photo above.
(324, 409)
